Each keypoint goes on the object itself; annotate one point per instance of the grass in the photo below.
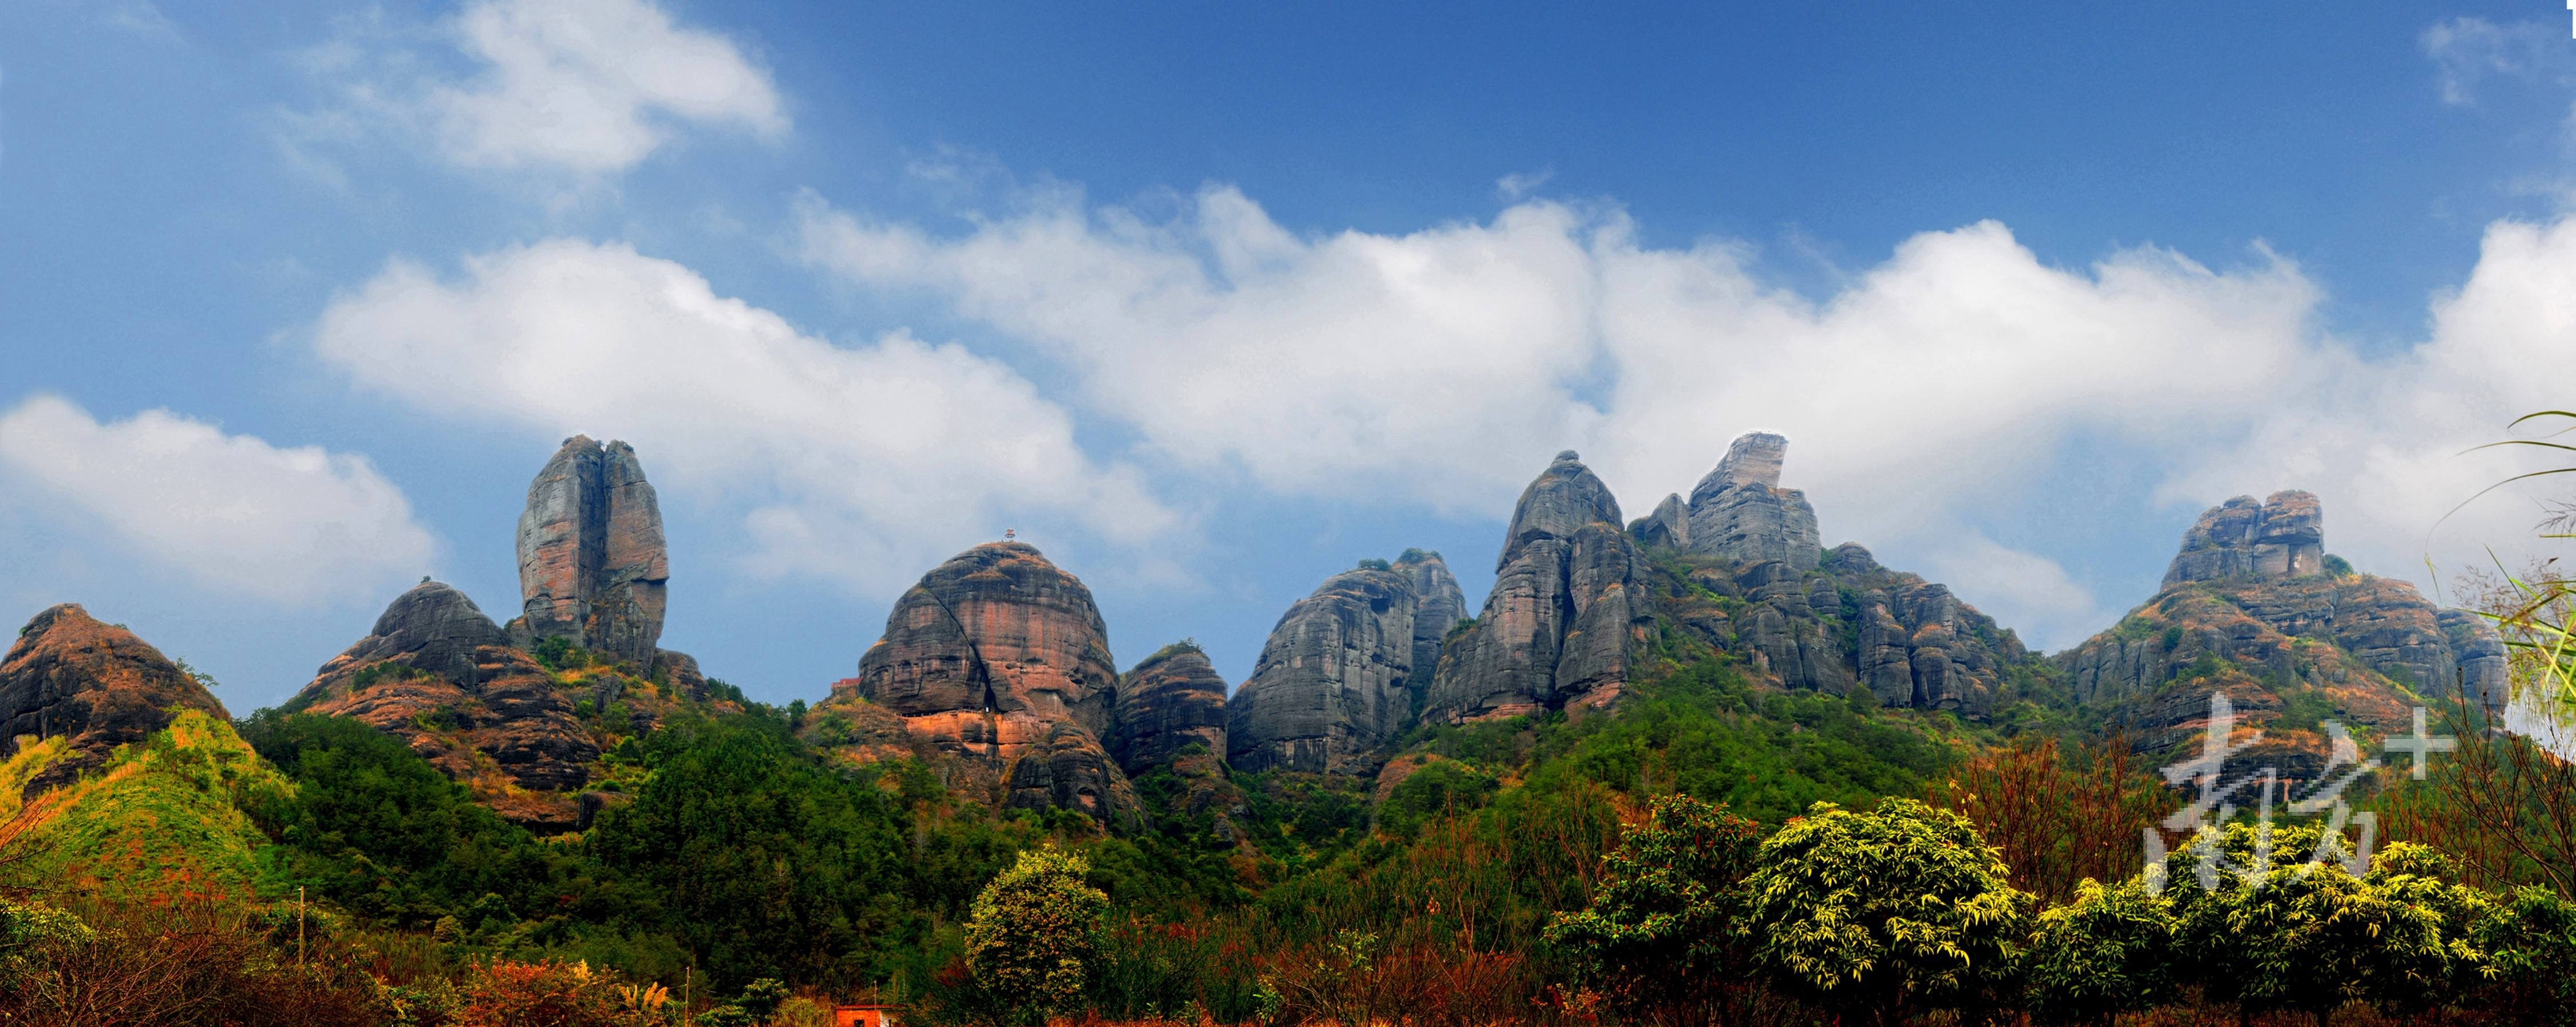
(158, 817)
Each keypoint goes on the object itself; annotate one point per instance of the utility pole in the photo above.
(687, 982)
(299, 925)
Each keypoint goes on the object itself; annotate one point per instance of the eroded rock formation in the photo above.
(1438, 606)
(593, 568)
(1169, 702)
(2250, 587)
(70, 676)
(1739, 511)
(997, 659)
(1332, 683)
(1565, 618)
(440, 675)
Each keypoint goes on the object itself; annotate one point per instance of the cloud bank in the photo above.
(231, 513)
(1440, 368)
(858, 465)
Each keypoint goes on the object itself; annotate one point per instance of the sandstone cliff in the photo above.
(998, 665)
(1565, 620)
(440, 675)
(1438, 606)
(593, 568)
(1333, 681)
(70, 676)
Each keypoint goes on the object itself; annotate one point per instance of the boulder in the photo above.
(1568, 611)
(593, 568)
(1334, 680)
(1169, 702)
(986, 660)
(70, 676)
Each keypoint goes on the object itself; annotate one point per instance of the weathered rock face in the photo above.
(70, 675)
(2281, 537)
(438, 674)
(1332, 681)
(985, 660)
(1566, 616)
(1438, 606)
(1668, 526)
(592, 564)
(1170, 702)
(2249, 592)
(1739, 511)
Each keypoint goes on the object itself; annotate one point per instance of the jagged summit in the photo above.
(1740, 512)
(2281, 537)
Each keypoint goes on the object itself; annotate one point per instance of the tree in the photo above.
(1875, 916)
(2107, 952)
(1665, 931)
(1034, 932)
(2530, 941)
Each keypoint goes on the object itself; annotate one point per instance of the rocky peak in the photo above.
(1565, 619)
(1333, 681)
(1668, 526)
(440, 675)
(2281, 537)
(68, 675)
(1564, 498)
(1169, 702)
(593, 567)
(984, 660)
(1740, 512)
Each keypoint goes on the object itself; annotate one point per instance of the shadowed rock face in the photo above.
(2249, 587)
(1740, 512)
(1438, 606)
(1332, 681)
(1668, 526)
(438, 674)
(592, 564)
(1171, 701)
(984, 660)
(1566, 614)
(70, 675)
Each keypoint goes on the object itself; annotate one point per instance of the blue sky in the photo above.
(1211, 302)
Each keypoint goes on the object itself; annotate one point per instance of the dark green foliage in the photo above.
(2110, 951)
(557, 653)
(1440, 788)
(1417, 555)
(373, 674)
(719, 690)
(1665, 936)
(755, 856)
(2338, 566)
(1375, 564)
(2529, 937)
(373, 827)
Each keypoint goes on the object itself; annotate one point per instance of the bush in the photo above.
(1877, 915)
(1034, 932)
(1665, 934)
(2110, 951)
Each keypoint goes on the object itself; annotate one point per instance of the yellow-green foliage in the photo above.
(157, 819)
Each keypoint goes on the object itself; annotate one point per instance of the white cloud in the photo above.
(1440, 367)
(232, 512)
(859, 465)
(2466, 52)
(2024, 591)
(585, 87)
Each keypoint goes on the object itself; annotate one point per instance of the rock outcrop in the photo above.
(68, 675)
(1333, 681)
(1169, 702)
(1566, 616)
(1438, 606)
(2281, 537)
(1739, 512)
(2250, 587)
(998, 664)
(593, 568)
(440, 675)
(1668, 526)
